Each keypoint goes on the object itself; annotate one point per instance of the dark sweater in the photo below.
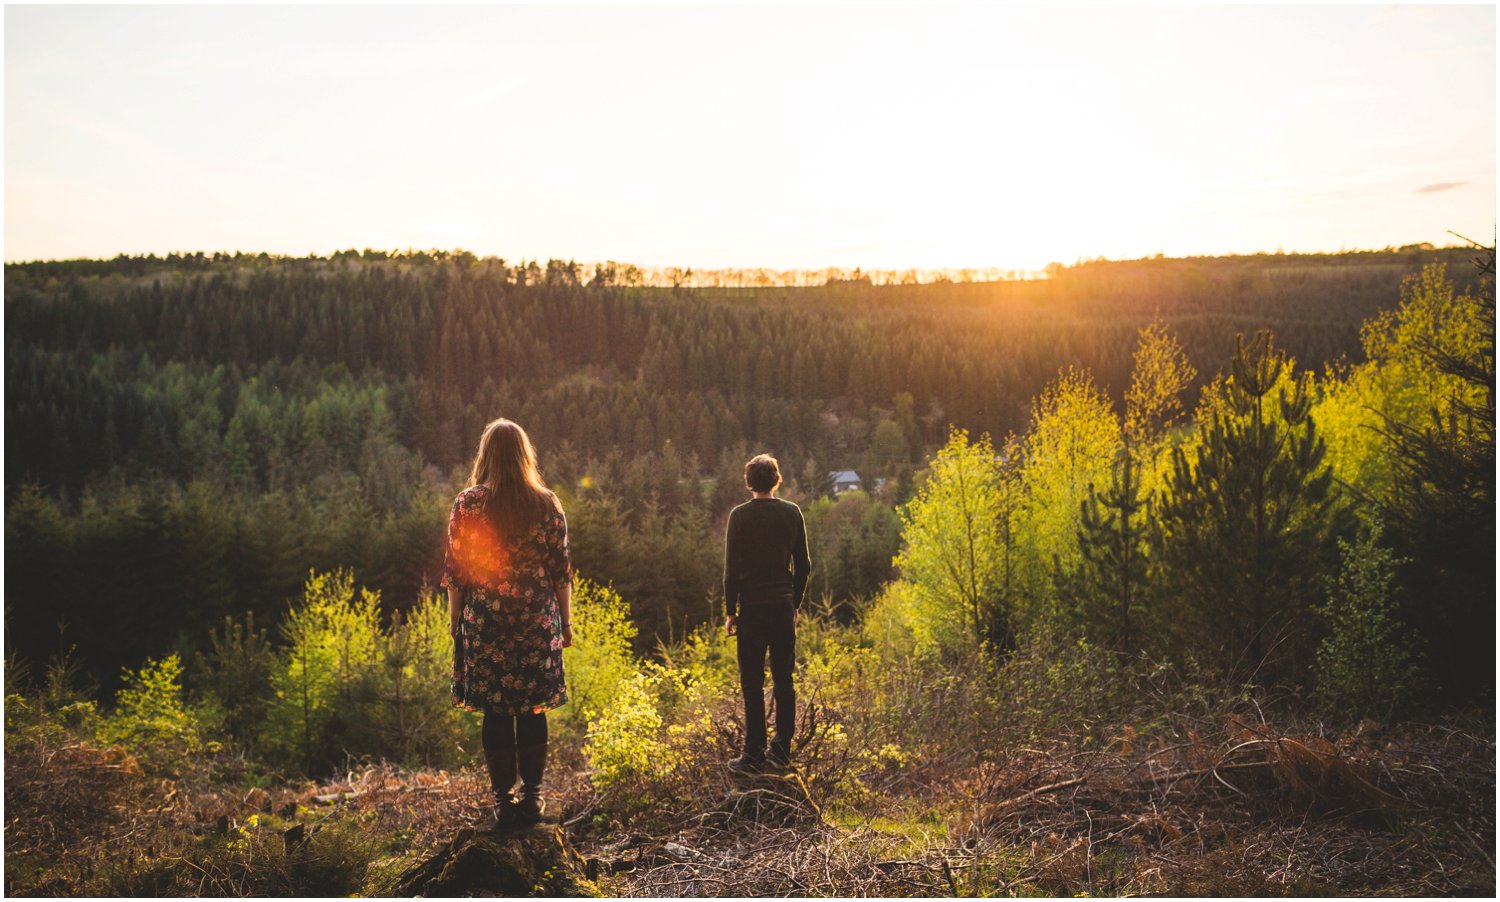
(765, 553)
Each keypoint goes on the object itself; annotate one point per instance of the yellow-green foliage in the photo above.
(1154, 413)
(331, 639)
(1160, 372)
(150, 716)
(952, 552)
(843, 671)
(1399, 383)
(255, 859)
(344, 682)
(30, 721)
(899, 626)
(1073, 440)
(706, 659)
(626, 740)
(1367, 661)
(600, 660)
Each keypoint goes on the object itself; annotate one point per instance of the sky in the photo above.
(885, 137)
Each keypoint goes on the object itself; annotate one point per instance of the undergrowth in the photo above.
(1056, 769)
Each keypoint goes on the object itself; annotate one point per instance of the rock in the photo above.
(532, 862)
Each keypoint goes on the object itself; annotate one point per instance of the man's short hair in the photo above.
(762, 474)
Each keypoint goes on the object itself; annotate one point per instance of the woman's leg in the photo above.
(531, 753)
(498, 734)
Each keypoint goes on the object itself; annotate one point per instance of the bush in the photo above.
(254, 859)
(345, 684)
(600, 661)
(150, 717)
(952, 539)
(1366, 662)
(626, 741)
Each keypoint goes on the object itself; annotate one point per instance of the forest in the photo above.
(1201, 550)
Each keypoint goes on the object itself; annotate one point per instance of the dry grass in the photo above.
(1233, 805)
(1236, 807)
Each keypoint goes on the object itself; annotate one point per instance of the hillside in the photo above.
(1179, 579)
(321, 411)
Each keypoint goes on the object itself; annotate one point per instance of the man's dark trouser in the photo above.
(767, 626)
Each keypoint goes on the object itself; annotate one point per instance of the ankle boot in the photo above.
(502, 766)
(531, 761)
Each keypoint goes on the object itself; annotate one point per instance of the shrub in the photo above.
(600, 661)
(411, 706)
(901, 625)
(150, 717)
(1366, 661)
(626, 740)
(330, 637)
(345, 684)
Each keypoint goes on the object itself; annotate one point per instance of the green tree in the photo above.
(151, 717)
(1159, 374)
(1442, 504)
(332, 641)
(236, 673)
(1073, 438)
(1111, 582)
(600, 660)
(1249, 519)
(951, 550)
(1424, 370)
(1366, 662)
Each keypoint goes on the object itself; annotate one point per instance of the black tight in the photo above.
(502, 731)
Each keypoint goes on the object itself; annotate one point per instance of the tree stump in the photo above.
(537, 861)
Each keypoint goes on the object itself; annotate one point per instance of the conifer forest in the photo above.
(1164, 576)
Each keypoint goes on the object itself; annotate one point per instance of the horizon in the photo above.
(1005, 273)
(877, 138)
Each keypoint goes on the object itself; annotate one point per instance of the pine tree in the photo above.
(1442, 505)
(1249, 520)
(1111, 537)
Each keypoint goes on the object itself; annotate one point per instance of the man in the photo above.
(765, 573)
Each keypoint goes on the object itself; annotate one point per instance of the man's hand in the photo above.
(796, 614)
(732, 625)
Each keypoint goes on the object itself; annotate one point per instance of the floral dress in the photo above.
(508, 657)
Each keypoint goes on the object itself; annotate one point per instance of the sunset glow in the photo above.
(883, 137)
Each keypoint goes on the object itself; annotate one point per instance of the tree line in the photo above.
(189, 437)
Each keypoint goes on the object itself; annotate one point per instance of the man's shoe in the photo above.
(778, 760)
(528, 807)
(748, 764)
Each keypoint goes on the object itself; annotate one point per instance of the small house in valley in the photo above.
(845, 481)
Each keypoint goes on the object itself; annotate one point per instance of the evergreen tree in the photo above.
(1249, 520)
(1111, 536)
(1442, 506)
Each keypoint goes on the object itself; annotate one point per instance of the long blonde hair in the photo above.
(506, 465)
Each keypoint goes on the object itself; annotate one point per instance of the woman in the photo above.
(510, 596)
